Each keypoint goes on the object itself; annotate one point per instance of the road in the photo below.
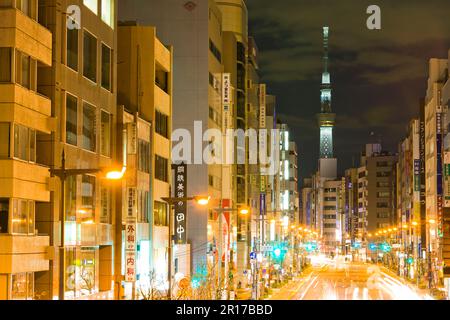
(340, 280)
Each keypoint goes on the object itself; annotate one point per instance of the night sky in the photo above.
(378, 76)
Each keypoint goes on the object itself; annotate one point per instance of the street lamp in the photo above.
(171, 201)
(63, 173)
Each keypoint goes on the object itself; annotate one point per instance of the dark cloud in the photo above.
(378, 76)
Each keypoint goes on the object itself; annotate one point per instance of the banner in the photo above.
(130, 250)
(180, 206)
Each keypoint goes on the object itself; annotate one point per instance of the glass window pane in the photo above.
(4, 214)
(72, 48)
(25, 71)
(20, 217)
(71, 198)
(31, 213)
(106, 67)
(105, 137)
(108, 12)
(71, 119)
(4, 139)
(19, 286)
(91, 5)
(89, 134)
(88, 199)
(90, 57)
(32, 145)
(5, 64)
(160, 214)
(24, 6)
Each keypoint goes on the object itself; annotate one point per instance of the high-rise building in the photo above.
(26, 48)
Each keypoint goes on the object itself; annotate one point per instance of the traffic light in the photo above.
(373, 246)
(410, 260)
(386, 247)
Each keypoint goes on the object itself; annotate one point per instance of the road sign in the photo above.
(266, 248)
(253, 255)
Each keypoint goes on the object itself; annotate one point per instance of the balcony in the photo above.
(23, 253)
(19, 179)
(25, 34)
(26, 107)
(162, 55)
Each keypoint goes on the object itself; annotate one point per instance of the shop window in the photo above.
(22, 286)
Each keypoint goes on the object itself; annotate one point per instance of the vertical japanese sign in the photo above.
(226, 99)
(180, 206)
(439, 170)
(262, 106)
(447, 179)
(416, 175)
(130, 236)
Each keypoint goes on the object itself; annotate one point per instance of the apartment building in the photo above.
(81, 85)
(146, 97)
(25, 191)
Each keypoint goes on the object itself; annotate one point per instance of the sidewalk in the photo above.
(283, 293)
(412, 285)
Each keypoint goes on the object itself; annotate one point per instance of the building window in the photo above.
(108, 12)
(382, 205)
(105, 195)
(162, 124)
(381, 174)
(22, 286)
(144, 156)
(22, 219)
(160, 214)
(383, 194)
(4, 215)
(215, 51)
(143, 206)
(90, 57)
(106, 67)
(71, 198)
(161, 168)
(71, 119)
(24, 6)
(23, 66)
(24, 143)
(330, 199)
(72, 48)
(161, 80)
(329, 208)
(105, 134)
(5, 64)
(91, 5)
(89, 134)
(383, 164)
(382, 184)
(382, 215)
(4, 139)
(329, 216)
(88, 199)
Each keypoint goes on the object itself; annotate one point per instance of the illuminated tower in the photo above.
(326, 118)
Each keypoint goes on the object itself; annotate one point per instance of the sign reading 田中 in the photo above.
(180, 206)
